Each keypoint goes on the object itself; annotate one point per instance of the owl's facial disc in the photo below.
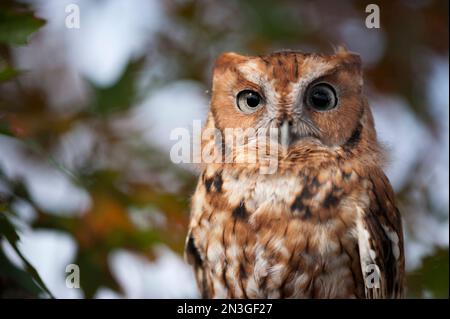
(320, 96)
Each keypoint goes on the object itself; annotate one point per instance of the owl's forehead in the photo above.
(286, 67)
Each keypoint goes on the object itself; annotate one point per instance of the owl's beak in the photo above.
(285, 134)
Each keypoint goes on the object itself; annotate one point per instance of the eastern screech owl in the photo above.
(325, 224)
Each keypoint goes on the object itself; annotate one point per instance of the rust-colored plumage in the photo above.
(324, 224)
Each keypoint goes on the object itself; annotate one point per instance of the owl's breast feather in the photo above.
(275, 236)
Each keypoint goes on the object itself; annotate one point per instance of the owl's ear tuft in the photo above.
(340, 49)
(227, 59)
(347, 56)
(353, 58)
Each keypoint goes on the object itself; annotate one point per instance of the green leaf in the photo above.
(17, 24)
(5, 128)
(96, 272)
(18, 283)
(8, 73)
(120, 96)
(431, 279)
(8, 232)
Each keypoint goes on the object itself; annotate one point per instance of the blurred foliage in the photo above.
(120, 96)
(17, 23)
(431, 279)
(29, 279)
(199, 31)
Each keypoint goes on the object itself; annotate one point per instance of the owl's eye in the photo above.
(321, 97)
(249, 101)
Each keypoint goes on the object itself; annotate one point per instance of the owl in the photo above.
(324, 223)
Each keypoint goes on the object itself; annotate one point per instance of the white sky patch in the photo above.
(439, 102)
(106, 293)
(408, 141)
(414, 252)
(47, 54)
(25, 212)
(175, 105)
(51, 189)
(167, 277)
(110, 33)
(431, 230)
(425, 233)
(404, 135)
(76, 146)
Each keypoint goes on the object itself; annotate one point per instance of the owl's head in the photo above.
(313, 99)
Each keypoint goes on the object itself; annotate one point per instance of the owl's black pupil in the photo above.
(253, 100)
(321, 98)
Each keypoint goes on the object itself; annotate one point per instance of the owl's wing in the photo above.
(380, 240)
(193, 256)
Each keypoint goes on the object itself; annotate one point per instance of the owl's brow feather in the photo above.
(323, 75)
(250, 73)
(242, 80)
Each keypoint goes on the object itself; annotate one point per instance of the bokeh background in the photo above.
(85, 117)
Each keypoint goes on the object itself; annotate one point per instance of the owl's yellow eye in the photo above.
(249, 101)
(321, 97)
